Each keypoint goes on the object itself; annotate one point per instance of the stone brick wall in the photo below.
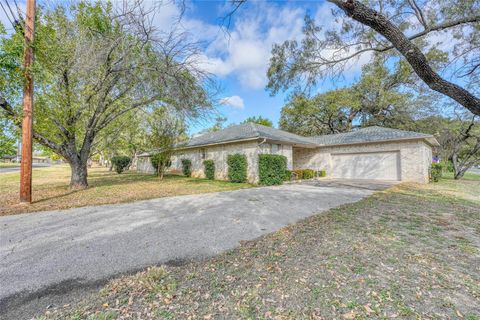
(415, 157)
(219, 155)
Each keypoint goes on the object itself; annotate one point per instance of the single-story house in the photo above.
(370, 153)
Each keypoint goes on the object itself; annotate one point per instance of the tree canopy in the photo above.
(259, 120)
(402, 29)
(378, 98)
(95, 63)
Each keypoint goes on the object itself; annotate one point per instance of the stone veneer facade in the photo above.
(219, 154)
(415, 157)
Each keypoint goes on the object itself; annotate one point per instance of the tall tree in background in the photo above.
(399, 29)
(94, 64)
(258, 120)
(378, 98)
(7, 141)
(165, 131)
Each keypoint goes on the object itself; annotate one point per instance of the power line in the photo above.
(19, 11)
(11, 11)
(7, 15)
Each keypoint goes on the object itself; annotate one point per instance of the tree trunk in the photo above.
(78, 179)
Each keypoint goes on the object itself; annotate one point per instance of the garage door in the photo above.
(372, 165)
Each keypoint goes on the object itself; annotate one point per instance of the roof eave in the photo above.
(429, 139)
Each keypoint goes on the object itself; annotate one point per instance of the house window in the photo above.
(275, 148)
(204, 153)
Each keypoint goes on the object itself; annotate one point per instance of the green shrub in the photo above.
(120, 163)
(160, 161)
(447, 166)
(288, 175)
(209, 169)
(308, 174)
(271, 168)
(322, 173)
(436, 172)
(187, 167)
(237, 167)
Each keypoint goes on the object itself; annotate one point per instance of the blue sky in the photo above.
(240, 58)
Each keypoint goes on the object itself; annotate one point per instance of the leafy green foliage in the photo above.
(160, 161)
(436, 172)
(258, 120)
(308, 173)
(186, 167)
(96, 64)
(120, 163)
(209, 169)
(322, 173)
(325, 52)
(272, 169)
(288, 175)
(376, 99)
(237, 167)
(7, 141)
(301, 174)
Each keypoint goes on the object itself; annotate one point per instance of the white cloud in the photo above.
(233, 101)
(245, 52)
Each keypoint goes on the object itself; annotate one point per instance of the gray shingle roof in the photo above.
(248, 131)
(371, 134)
(255, 131)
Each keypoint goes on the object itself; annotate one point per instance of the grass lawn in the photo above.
(50, 188)
(9, 164)
(411, 252)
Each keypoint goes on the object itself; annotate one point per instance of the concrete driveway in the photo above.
(52, 258)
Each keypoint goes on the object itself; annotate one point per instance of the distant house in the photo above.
(375, 153)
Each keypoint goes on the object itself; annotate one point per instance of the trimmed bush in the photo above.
(288, 175)
(187, 167)
(436, 172)
(120, 163)
(209, 169)
(308, 173)
(322, 173)
(237, 167)
(271, 168)
(160, 161)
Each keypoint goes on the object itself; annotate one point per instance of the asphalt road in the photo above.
(52, 258)
(17, 168)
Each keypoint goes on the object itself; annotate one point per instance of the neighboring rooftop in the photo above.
(371, 134)
(248, 131)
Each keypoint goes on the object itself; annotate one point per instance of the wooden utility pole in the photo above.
(26, 164)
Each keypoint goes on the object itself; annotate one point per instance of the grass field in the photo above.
(50, 188)
(410, 252)
(9, 164)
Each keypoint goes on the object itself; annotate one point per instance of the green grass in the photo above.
(410, 252)
(9, 164)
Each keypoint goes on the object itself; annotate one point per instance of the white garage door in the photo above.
(372, 165)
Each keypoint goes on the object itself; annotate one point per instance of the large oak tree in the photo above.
(95, 63)
(399, 29)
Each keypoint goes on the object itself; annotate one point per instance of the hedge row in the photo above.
(237, 167)
(272, 169)
(186, 167)
(209, 169)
